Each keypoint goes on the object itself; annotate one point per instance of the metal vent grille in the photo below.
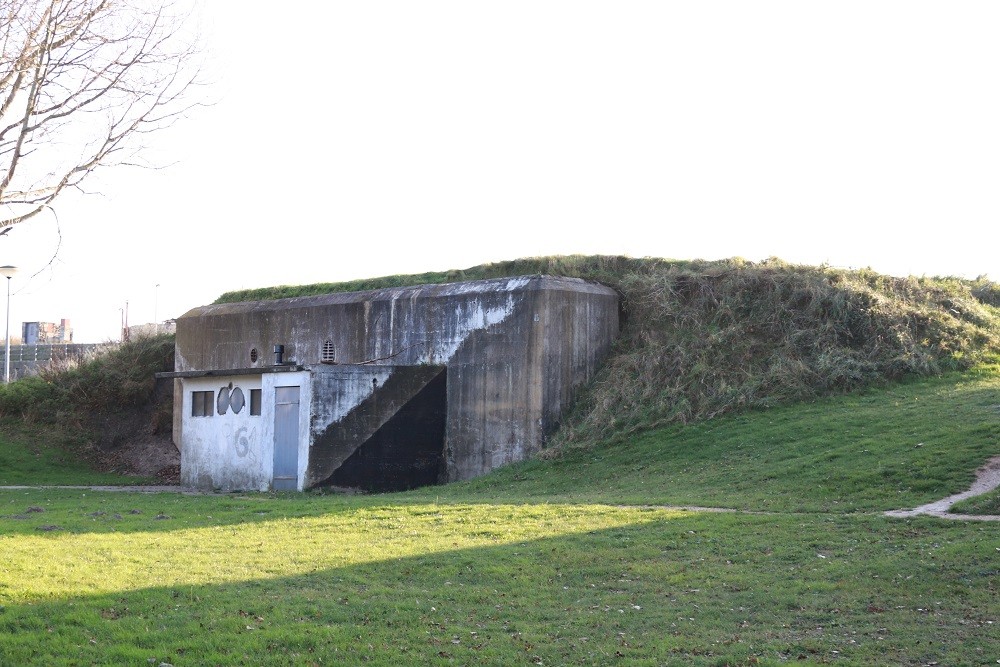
(327, 356)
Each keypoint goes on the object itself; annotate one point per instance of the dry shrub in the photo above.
(704, 339)
(94, 389)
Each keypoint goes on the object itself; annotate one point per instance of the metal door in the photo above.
(286, 439)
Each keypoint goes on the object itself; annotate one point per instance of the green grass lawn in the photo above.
(553, 562)
(890, 448)
(988, 503)
(45, 455)
(101, 578)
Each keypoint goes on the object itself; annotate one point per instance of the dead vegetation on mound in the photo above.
(705, 339)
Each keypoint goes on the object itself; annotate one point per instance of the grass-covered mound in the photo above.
(703, 338)
(115, 378)
(894, 447)
(105, 410)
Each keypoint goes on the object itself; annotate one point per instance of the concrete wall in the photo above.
(338, 391)
(516, 349)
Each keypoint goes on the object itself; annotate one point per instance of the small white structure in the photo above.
(230, 433)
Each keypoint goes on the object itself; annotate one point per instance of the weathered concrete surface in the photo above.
(407, 450)
(515, 350)
(350, 404)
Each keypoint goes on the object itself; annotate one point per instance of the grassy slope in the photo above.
(887, 448)
(30, 455)
(62, 425)
(539, 563)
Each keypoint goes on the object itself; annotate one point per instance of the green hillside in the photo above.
(701, 338)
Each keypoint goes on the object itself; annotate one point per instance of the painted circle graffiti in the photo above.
(230, 397)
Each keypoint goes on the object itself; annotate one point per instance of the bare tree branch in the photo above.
(81, 82)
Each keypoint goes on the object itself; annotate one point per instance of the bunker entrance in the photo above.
(407, 451)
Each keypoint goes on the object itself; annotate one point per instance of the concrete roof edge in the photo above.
(534, 282)
(213, 372)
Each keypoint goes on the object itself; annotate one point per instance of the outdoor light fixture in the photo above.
(8, 273)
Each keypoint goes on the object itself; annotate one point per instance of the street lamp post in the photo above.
(8, 273)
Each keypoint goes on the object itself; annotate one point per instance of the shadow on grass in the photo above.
(696, 589)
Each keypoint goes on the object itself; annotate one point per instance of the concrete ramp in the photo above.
(383, 422)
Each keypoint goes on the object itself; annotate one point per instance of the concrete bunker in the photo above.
(383, 390)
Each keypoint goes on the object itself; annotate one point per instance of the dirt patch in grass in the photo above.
(150, 455)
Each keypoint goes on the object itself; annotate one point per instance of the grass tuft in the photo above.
(987, 503)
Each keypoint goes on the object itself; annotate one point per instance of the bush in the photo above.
(73, 392)
(31, 399)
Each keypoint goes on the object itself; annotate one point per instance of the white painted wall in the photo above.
(235, 451)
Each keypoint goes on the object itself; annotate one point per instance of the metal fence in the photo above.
(25, 359)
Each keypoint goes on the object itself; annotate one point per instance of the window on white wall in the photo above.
(202, 403)
(255, 402)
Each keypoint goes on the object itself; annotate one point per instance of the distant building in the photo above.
(152, 329)
(46, 333)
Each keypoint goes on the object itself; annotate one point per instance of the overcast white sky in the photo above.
(357, 139)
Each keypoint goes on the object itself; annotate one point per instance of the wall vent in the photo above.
(328, 355)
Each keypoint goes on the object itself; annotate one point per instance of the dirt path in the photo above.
(987, 479)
